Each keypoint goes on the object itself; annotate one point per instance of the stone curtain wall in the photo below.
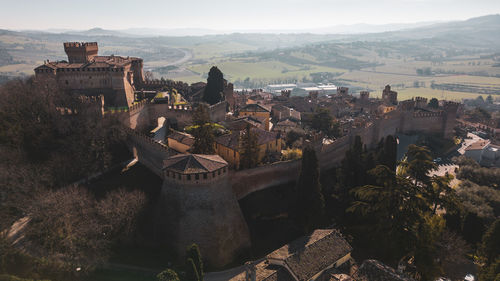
(248, 181)
(147, 151)
(218, 111)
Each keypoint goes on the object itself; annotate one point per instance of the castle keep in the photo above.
(86, 73)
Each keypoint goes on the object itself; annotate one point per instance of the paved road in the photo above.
(447, 167)
(187, 56)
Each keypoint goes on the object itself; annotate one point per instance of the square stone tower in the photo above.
(80, 52)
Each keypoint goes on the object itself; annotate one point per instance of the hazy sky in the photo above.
(232, 14)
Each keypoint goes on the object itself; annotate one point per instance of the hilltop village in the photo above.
(255, 141)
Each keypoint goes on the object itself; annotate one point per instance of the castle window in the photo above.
(189, 177)
(205, 176)
(197, 176)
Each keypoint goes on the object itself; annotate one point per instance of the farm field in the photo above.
(416, 67)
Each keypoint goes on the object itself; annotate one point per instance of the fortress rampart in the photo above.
(206, 211)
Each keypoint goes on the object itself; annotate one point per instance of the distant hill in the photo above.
(481, 31)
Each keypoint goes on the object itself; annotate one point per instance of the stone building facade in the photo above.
(86, 73)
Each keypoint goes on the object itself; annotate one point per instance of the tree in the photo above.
(388, 153)
(167, 275)
(441, 194)
(335, 130)
(388, 210)
(425, 252)
(70, 225)
(322, 120)
(419, 164)
(473, 228)
(249, 149)
(352, 166)
(489, 99)
(490, 246)
(433, 103)
(204, 138)
(191, 271)
(291, 137)
(310, 202)
(193, 252)
(215, 86)
(491, 272)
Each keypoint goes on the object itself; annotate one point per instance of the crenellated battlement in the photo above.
(137, 106)
(427, 114)
(79, 44)
(180, 107)
(80, 52)
(146, 140)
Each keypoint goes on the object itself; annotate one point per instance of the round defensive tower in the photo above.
(198, 206)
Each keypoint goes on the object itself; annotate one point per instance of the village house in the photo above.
(180, 142)
(305, 258)
(484, 153)
(280, 112)
(241, 123)
(256, 110)
(286, 126)
(228, 145)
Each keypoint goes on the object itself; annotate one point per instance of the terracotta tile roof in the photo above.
(232, 140)
(266, 272)
(181, 137)
(287, 122)
(375, 270)
(97, 61)
(194, 163)
(240, 123)
(309, 255)
(255, 108)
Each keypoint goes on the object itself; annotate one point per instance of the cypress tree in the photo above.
(310, 204)
(215, 86)
(191, 271)
(389, 155)
(193, 252)
(249, 153)
(204, 137)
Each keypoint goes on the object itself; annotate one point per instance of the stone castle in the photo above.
(88, 74)
(200, 194)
